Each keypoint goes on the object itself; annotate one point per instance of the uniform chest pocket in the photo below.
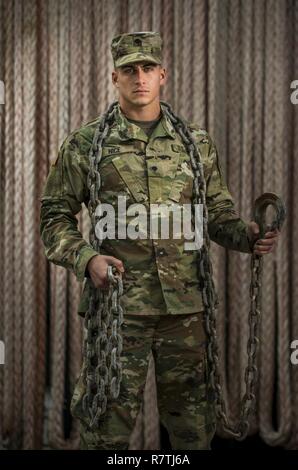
(181, 188)
(124, 173)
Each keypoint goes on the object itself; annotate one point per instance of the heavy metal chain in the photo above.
(98, 346)
(104, 317)
(240, 431)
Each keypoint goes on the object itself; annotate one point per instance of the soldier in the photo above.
(145, 159)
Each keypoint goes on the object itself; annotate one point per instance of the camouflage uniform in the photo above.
(178, 344)
(162, 298)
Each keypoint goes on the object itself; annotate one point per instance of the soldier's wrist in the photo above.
(85, 255)
(87, 272)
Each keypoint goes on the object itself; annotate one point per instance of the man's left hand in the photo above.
(265, 245)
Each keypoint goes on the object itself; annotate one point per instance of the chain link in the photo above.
(105, 312)
(209, 295)
(104, 317)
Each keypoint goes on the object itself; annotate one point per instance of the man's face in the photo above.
(139, 83)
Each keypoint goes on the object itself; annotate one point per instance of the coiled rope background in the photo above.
(230, 65)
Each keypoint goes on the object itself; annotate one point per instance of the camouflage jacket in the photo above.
(160, 276)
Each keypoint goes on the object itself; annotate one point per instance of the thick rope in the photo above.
(218, 124)
(42, 170)
(53, 81)
(18, 227)
(282, 254)
(212, 18)
(186, 45)
(113, 29)
(75, 65)
(167, 28)
(268, 325)
(234, 180)
(53, 149)
(124, 16)
(56, 436)
(146, 15)
(258, 67)
(30, 310)
(1, 211)
(56, 425)
(134, 17)
(8, 281)
(100, 71)
(177, 53)
(199, 63)
(280, 271)
(156, 15)
(293, 196)
(86, 90)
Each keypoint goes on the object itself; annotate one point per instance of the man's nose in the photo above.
(140, 74)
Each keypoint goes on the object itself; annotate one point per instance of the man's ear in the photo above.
(115, 78)
(163, 75)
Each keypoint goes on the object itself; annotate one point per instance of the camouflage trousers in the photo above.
(178, 344)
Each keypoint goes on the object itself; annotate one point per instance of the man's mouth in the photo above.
(141, 91)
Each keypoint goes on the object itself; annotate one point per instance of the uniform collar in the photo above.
(128, 130)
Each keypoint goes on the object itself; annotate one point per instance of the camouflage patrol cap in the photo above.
(135, 47)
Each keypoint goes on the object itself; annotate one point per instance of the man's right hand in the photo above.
(98, 269)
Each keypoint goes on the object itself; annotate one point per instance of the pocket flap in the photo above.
(131, 180)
